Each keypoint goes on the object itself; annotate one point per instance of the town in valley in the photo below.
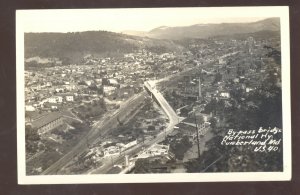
(99, 102)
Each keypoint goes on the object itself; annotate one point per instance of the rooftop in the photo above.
(45, 119)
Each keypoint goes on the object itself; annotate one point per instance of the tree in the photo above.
(213, 122)
(105, 81)
(200, 119)
(93, 87)
(210, 107)
(215, 151)
(218, 78)
(179, 148)
(32, 138)
(66, 61)
(31, 134)
(184, 112)
(100, 90)
(236, 93)
(151, 128)
(239, 70)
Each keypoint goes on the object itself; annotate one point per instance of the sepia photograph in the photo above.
(153, 95)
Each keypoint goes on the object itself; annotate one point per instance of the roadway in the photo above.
(173, 120)
(151, 86)
(108, 122)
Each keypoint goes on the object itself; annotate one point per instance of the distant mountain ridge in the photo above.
(212, 30)
(74, 46)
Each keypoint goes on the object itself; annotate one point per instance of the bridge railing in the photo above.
(160, 100)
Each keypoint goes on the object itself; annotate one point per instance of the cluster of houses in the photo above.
(155, 150)
(100, 152)
(53, 102)
(241, 65)
(114, 77)
(55, 88)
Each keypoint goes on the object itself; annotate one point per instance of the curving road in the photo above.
(173, 120)
(109, 122)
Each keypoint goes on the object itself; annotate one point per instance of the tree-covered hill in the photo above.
(211, 30)
(100, 43)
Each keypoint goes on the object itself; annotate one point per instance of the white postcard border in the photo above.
(271, 11)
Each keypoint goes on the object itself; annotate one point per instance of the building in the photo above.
(109, 90)
(55, 99)
(88, 83)
(111, 151)
(130, 144)
(48, 122)
(225, 94)
(48, 84)
(159, 149)
(69, 98)
(248, 89)
(65, 96)
(29, 108)
(155, 150)
(59, 90)
(113, 81)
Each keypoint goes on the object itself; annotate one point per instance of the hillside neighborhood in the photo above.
(212, 84)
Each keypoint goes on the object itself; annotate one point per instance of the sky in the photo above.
(139, 19)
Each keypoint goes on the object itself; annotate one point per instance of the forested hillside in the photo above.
(74, 46)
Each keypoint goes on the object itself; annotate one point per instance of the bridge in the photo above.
(150, 87)
(109, 122)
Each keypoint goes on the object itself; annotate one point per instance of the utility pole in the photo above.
(198, 142)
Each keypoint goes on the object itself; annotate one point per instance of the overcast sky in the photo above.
(118, 20)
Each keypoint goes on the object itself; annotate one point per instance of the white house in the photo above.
(158, 149)
(55, 99)
(48, 84)
(225, 94)
(113, 81)
(29, 108)
(108, 89)
(222, 61)
(248, 89)
(88, 83)
(236, 80)
(69, 98)
(70, 87)
(59, 90)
